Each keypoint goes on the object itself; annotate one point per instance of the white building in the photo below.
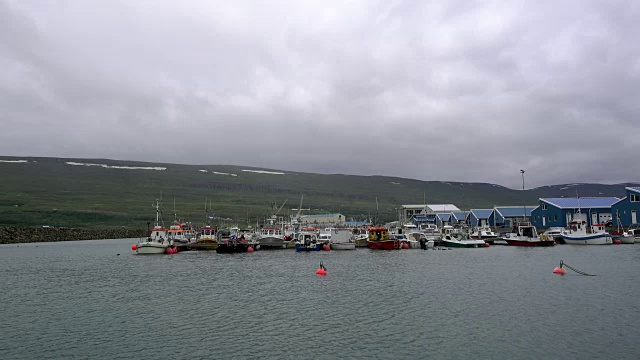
(319, 219)
(407, 212)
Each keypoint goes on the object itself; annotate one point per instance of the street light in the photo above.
(524, 216)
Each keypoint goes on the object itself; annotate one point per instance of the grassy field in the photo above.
(48, 191)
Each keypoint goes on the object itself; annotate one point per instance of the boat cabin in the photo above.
(277, 232)
(378, 234)
(307, 238)
(158, 233)
(208, 232)
(325, 238)
(526, 230)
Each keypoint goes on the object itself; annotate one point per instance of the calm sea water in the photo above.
(82, 300)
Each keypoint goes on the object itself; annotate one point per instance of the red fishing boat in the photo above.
(379, 239)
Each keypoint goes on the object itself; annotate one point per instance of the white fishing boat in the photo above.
(454, 237)
(484, 233)
(158, 239)
(578, 234)
(338, 239)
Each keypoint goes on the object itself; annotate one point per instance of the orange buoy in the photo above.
(250, 249)
(405, 245)
(559, 271)
(486, 245)
(322, 270)
(326, 247)
(617, 241)
(134, 247)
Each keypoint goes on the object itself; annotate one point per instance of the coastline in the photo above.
(18, 235)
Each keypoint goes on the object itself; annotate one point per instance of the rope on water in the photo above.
(576, 270)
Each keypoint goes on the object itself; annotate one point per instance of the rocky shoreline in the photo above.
(17, 235)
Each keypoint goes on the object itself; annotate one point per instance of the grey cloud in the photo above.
(460, 91)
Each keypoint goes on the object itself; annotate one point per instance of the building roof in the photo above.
(442, 207)
(460, 215)
(444, 216)
(481, 213)
(633, 188)
(514, 211)
(585, 202)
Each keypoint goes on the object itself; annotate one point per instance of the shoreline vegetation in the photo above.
(17, 235)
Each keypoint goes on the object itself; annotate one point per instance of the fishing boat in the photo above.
(157, 240)
(360, 237)
(379, 239)
(553, 233)
(431, 232)
(233, 245)
(182, 235)
(578, 234)
(525, 234)
(625, 236)
(271, 238)
(308, 241)
(484, 233)
(338, 239)
(207, 239)
(454, 237)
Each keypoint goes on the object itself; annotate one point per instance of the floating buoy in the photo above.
(134, 247)
(617, 241)
(560, 271)
(322, 270)
(170, 251)
(326, 247)
(405, 246)
(486, 245)
(250, 249)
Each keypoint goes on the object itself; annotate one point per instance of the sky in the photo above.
(470, 91)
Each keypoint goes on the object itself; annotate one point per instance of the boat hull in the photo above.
(591, 239)
(232, 248)
(302, 248)
(464, 244)
(150, 249)
(343, 246)
(529, 243)
(271, 243)
(384, 245)
(627, 239)
(204, 245)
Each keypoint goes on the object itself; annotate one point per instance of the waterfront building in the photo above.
(627, 209)
(552, 212)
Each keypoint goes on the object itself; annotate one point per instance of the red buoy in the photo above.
(559, 270)
(134, 247)
(170, 251)
(250, 249)
(326, 247)
(486, 245)
(321, 272)
(617, 241)
(405, 245)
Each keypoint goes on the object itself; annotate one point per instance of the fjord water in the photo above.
(82, 300)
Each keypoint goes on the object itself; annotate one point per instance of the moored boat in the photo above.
(157, 240)
(525, 234)
(307, 241)
(207, 239)
(453, 237)
(578, 235)
(233, 245)
(379, 239)
(271, 238)
(484, 233)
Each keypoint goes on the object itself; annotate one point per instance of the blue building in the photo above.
(443, 219)
(560, 211)
(480, 217)
(459, 217)
(627, 209)
(506, 216)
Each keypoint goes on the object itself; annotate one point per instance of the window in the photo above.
(544, 206)
(634, 198)
(555, 217)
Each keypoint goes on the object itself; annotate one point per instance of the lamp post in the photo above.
(525, 203)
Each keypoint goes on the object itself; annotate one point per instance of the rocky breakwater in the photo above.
(16, 235)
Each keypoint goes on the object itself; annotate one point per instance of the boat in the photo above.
(271, 238)
(484, 233)
(307, 241)
(379, 239)
(182, 235)
(338, 239)
(454, 237)
(625, 236)
(207, 239)
(157, 240)
(430, 231)
(525, 234)
(578, 234)
(553, 233)
(360, 237)
(233, 245)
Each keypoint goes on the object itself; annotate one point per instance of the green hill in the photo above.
(50, 191)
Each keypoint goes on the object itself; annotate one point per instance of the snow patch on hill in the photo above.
(117, 167)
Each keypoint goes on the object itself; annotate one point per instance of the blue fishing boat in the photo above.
(308, 241)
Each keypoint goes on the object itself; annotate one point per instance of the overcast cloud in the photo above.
(432, 90)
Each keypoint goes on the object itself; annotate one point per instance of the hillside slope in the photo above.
(68, 192)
